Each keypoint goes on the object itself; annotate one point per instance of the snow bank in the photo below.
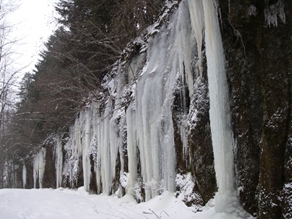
(70, 204)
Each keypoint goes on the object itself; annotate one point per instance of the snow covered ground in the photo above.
(78, 204)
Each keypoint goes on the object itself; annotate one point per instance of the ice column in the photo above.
(59, 162)
(132, 149)
(24, 175)
(222, 138)
(153, 114)
(105, 162)
(197, 19)
(86, 153)
(39, 167)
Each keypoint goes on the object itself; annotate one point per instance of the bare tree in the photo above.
(7, 73)
(8, 76)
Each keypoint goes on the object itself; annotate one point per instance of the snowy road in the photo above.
(70, 204)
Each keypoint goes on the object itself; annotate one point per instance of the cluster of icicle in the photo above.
(38, 168)
(143, 126)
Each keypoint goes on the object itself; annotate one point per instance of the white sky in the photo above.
(32, 23)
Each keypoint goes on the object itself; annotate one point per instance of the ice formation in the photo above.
(222, 138)
(219, 107)
(135, 118)
(39, 167)
(275, 11)
(24, 175)
(59, 162)
(145, 126)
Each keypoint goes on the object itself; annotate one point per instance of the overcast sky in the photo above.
(32, 23)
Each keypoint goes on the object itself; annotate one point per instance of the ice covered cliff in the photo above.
(210, 81)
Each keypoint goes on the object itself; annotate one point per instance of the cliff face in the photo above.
(257, 45)
(150, 129)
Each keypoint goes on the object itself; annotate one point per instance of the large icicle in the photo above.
(132, 149)
(222, 139)
(59, 162)
(24, 175)
(105, 161)
(39, 168)
(197, 21)
(86, 147)
(219, 107)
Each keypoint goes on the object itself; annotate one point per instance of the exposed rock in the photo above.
(257, 43)
(49, 179)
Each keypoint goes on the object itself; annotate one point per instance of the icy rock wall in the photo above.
(258, 49)
(150, 115)
(131, 129)
(138, 111)
(151, 124)
(129, 141)
(39, 164)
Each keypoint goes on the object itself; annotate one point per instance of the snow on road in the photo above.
(78, 204)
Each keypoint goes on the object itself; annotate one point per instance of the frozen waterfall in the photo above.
(127, 137)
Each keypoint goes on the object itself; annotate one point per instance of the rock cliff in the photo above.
(149, 129)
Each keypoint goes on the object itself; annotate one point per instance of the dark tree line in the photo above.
(90, 39)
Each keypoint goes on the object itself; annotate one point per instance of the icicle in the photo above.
(24, 174)
(132, 149)
(183, 48)
(86, 152)
(59, 162)
(78, 147)
(219, 108)
(222, 139)
(105, 151)
(104, 161)
(153, 102)
(113, 142)
(39, 167)
(197, 21)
